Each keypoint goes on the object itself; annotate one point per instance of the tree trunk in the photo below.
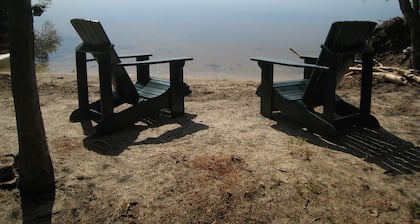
(36, 175)
(411, 12)
(415, 44)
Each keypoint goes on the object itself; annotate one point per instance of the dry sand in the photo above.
(224, 163)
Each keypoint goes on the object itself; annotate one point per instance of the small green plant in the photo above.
(415, 210)
(313, 188)
(305, 189)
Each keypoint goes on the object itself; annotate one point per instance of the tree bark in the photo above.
(411, 14)
(36, 175)
(415, 44)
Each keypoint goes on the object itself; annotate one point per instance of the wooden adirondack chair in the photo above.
(147, 96)
(297, 99)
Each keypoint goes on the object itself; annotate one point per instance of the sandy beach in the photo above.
(223, 162)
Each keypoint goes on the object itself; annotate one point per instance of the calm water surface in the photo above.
(221, 35)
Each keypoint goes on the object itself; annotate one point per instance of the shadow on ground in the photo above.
(395, 155)
(116, 143)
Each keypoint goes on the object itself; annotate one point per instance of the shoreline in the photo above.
(348, 89)
(197, 76)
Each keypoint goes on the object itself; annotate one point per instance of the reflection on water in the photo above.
(221, 35)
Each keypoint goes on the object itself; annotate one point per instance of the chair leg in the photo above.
(107, 106)
(266, 88)
(366, 92)
(143, 71)
(329, 92)
(176, 90)
(366, 85)
(307, 72)
(82, 87)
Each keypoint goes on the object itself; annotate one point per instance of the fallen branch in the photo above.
(383, 73)
(379, 63)
(390, 74)
(390, 77)
(296, 52)
(413, 78)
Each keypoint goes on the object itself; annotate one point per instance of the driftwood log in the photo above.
(383, 73)
(390, 74)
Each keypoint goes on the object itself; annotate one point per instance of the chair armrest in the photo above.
(125, 56)
(156, 61)
(308, 57)
(288, 63)
(134, 56)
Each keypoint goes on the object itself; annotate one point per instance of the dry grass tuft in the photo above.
(299, 149)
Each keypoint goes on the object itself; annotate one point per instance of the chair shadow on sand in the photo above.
(39, 208)
(116, 143)
(393, 154)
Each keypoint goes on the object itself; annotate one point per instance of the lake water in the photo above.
(221, 35)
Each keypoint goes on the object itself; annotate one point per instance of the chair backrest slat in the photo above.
(344, 41)
(94, 36)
